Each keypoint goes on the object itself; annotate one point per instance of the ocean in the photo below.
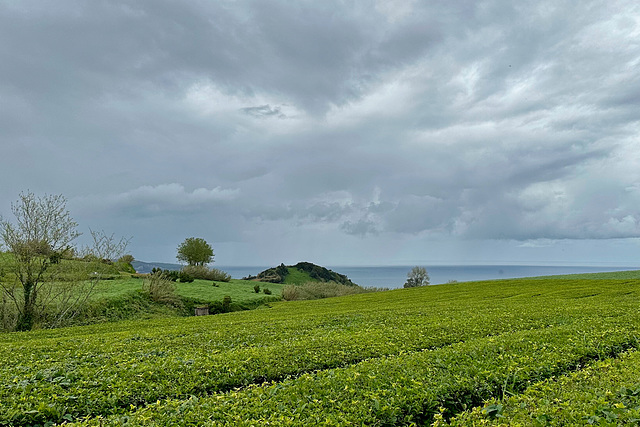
(395, 276)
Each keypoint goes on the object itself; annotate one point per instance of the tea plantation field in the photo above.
(558, 351)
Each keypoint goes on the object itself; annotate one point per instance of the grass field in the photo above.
(119, 295)
(479, 353)
(203, 290)
(297, 277)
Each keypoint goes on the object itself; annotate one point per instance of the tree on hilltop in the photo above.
(195, 251)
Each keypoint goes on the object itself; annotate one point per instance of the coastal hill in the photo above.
(302, 272)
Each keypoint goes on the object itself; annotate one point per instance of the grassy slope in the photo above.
(388, 356)
(118, 298)
(297, 277)
(202, 290)
(614, 275)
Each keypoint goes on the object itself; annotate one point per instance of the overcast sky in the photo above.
(336, 132)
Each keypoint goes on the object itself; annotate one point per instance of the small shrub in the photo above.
(290, 293)
(124, 267)
(55, 258)
(185, 277)
(215, 285)
(126, 259)
(256, 289)
(8, 314)
(318, 290)
(376, 289)
(172, 275)
(226, 304)
(160, 289)
(267, 291)
(219, 275)
(205, 273)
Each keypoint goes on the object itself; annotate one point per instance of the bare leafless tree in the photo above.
(417, 277)
(37, 283)
(106, 247)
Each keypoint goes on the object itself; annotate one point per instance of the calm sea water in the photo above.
(395, 276)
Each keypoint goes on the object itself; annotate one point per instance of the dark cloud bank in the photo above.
(360, 132)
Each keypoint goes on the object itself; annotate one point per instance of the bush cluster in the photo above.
(160, 289)
(323, 274)
(175, 275)
(318, 290)
(205, 273)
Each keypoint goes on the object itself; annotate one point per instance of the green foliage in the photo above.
(55, 257)
(124, 267)
(124, 264)
(128, 258)
(160, 289)
(274, 275)
(195, 251)
(110, 298)
(127, 306)
(602, 393)
(323, 274)
(172, 275)
(403, 357)
(297, 277)
(185, 277)
(303, 272)
(318, 290)
(43, 230)
(205, 273)
(226, 303)
(256, 288)
(267, 291)
(417, 277)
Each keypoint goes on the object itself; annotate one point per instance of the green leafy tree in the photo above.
(417, 277)
(195, 251)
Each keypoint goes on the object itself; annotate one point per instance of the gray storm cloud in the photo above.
(364, 122)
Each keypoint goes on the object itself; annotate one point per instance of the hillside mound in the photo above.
(300, 273)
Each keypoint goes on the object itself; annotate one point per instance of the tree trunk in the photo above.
(26, 317)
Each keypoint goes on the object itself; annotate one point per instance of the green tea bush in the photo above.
(603, 393)
(267, 291)
(389, 359)
(256, 288)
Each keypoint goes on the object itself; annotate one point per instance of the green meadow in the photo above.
(201, 290)
(539, 351)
